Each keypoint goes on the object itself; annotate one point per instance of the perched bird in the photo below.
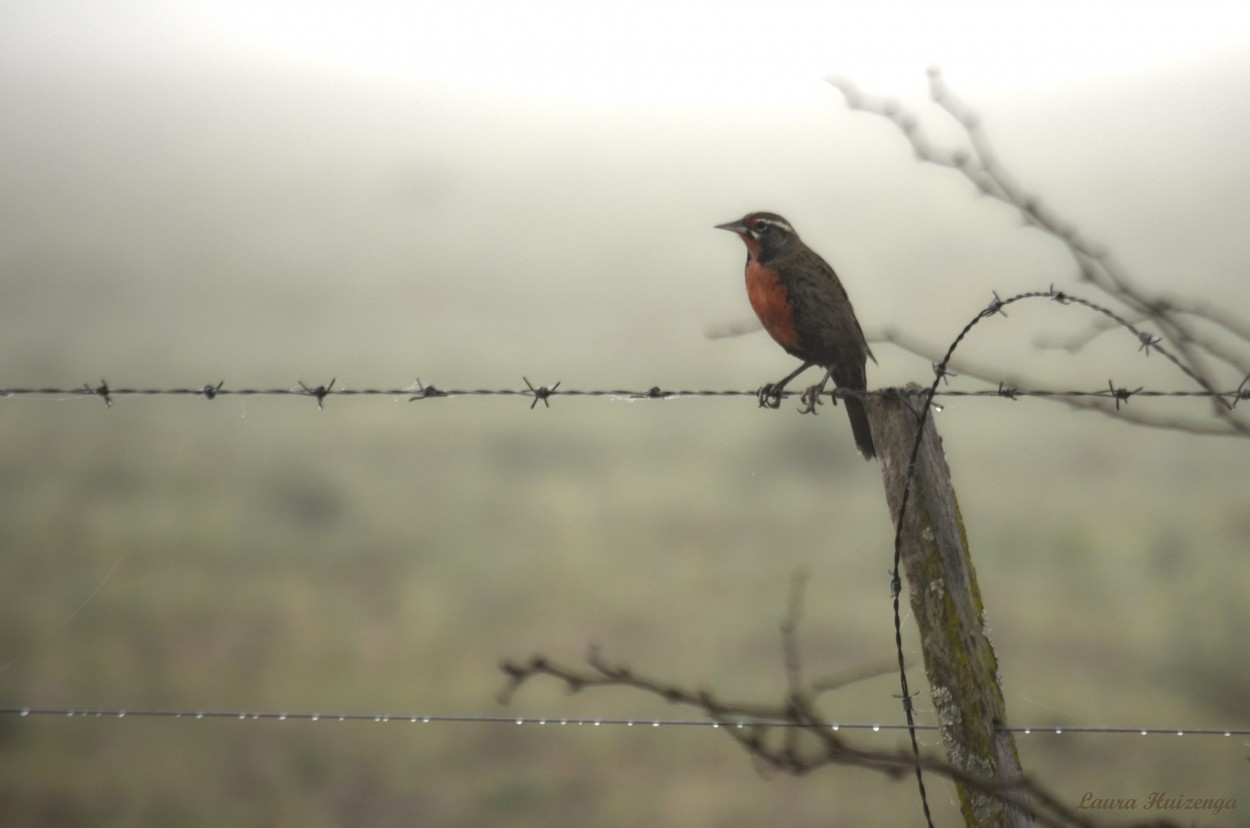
(804, 307)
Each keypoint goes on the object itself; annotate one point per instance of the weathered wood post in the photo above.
(942, 586)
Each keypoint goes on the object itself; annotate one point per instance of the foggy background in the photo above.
(471, 193)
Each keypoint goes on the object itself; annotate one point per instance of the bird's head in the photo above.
(762, 232)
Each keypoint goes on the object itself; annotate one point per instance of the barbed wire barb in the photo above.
(319, 393)
(102, 392)
(541, 393)
(425, 392)
(1121, 395)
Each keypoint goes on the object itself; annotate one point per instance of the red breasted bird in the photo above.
(804, 307)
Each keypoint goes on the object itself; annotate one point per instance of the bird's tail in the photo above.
(859, 427)
(851, 377)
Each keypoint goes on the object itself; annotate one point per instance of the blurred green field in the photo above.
(383, 556)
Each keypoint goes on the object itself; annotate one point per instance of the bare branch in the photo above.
(805, 744)
(1173, 320)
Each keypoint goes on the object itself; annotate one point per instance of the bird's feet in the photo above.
(770, 395)
(811, 399)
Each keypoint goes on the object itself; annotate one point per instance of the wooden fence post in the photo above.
(942, 586)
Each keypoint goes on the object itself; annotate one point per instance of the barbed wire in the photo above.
(1148, 342)
(542, 393)
(581, 721)
(419, 390)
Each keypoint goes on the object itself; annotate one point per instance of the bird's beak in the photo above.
(733, 227)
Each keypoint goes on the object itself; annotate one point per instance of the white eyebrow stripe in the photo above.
(776, 223)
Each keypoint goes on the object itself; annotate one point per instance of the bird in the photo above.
(801, 303)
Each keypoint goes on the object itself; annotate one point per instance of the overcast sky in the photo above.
(487, 161)
(676, 50)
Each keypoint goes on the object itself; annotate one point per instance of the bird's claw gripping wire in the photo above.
(769, 395)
